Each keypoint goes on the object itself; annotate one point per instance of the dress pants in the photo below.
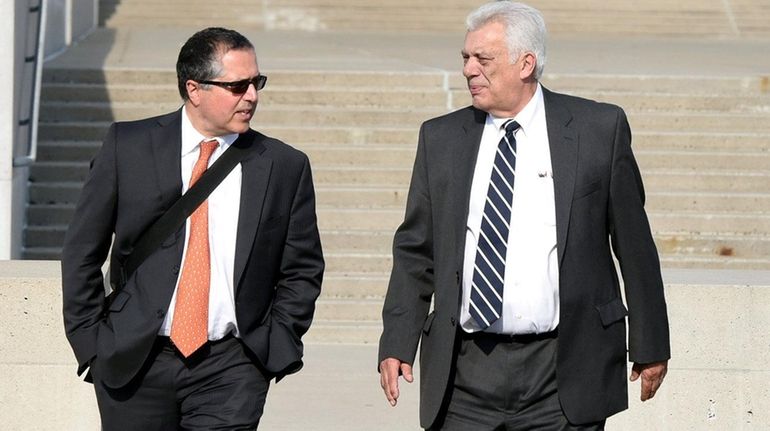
(506, 383)
(217, 388)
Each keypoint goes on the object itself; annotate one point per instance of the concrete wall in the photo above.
(7, 117)
(717, 379)
(67, 21)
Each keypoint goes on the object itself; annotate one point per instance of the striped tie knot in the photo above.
(511, 126)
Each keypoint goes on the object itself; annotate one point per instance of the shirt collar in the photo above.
(191, 137)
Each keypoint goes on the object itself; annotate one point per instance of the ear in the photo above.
(528, 64)
(193, 92)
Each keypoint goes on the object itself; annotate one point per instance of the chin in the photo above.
(240, 129)
(479, 105)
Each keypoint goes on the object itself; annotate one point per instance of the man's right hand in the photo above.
(390, 369)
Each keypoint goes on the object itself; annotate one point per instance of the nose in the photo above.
(470, 68)
(251, 93)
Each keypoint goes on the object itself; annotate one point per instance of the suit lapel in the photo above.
(563, 142)
(466, 150)
(166, 141)
(255, 176)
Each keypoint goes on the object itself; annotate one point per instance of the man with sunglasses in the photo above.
(194, 335)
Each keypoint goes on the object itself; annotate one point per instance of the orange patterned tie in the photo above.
(189, 329)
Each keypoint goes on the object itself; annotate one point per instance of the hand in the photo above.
(390, 369)
(652, 377)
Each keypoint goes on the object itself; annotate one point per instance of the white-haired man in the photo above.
(515, 208)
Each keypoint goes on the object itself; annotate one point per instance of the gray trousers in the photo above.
(506, 383)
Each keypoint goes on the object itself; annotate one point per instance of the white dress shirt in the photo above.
(224, 205)
(531, 292)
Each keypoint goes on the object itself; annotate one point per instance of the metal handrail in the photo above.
(32, 120)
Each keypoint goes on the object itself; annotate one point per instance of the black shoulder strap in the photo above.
(175, 216)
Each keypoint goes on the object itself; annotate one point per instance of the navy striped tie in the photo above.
(489, 270)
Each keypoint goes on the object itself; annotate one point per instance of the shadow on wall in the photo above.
(75, 112)
(107, 10)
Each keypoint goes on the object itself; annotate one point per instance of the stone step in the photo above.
(377, 242)
(72, 131)
(682, 180)
(713, 244)
(656, 102)
(48, 236)
(49, 214)
(717, 221)
(361, 176)
(67, 151)
(165, 80)
(388, 197)
(675, 261)
(377, 165)
(693, 85)
(369, 263)
(95, 131)
(341, 79)
(321, 135)
(52, 173)
(352, 310)
(341, 19)
(374, 244)
(272, 95)
(372, 117)
(633, 100)
(703, 161)
(371, 241)
(360, 117)
(699, 122)
(757, 222)
(354, 285)
(381, 263)
(41, 253)
(385, 156)
(655, 180)
(343, 332)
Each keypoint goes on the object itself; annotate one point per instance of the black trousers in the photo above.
(506, 383)
(219, 387)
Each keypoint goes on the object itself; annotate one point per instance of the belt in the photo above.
(508, 338)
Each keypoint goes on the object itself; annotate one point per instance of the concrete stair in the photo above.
(688, 18)
(703, 145)
(704, 153)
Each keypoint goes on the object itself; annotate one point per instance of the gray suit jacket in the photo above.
(599, 209)
(134, 179)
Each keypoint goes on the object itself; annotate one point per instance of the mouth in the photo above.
(245, 114)
(475, 89)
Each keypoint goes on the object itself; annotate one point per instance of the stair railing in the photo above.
(30, 80)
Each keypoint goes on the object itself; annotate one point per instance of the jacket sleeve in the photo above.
(301, 273)
(635, 250)
(411, 281)
(86, 245)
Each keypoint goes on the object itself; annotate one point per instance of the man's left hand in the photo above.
(652, 377)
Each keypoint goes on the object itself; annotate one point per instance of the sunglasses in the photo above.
(242, 86)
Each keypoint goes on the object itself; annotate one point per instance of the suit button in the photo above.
(160, 313)
(452, 321)
(175, 269)
(457, 277)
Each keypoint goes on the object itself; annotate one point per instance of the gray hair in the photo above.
(524, 28)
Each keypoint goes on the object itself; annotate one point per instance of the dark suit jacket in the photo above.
(599, 198)
(134, 179)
